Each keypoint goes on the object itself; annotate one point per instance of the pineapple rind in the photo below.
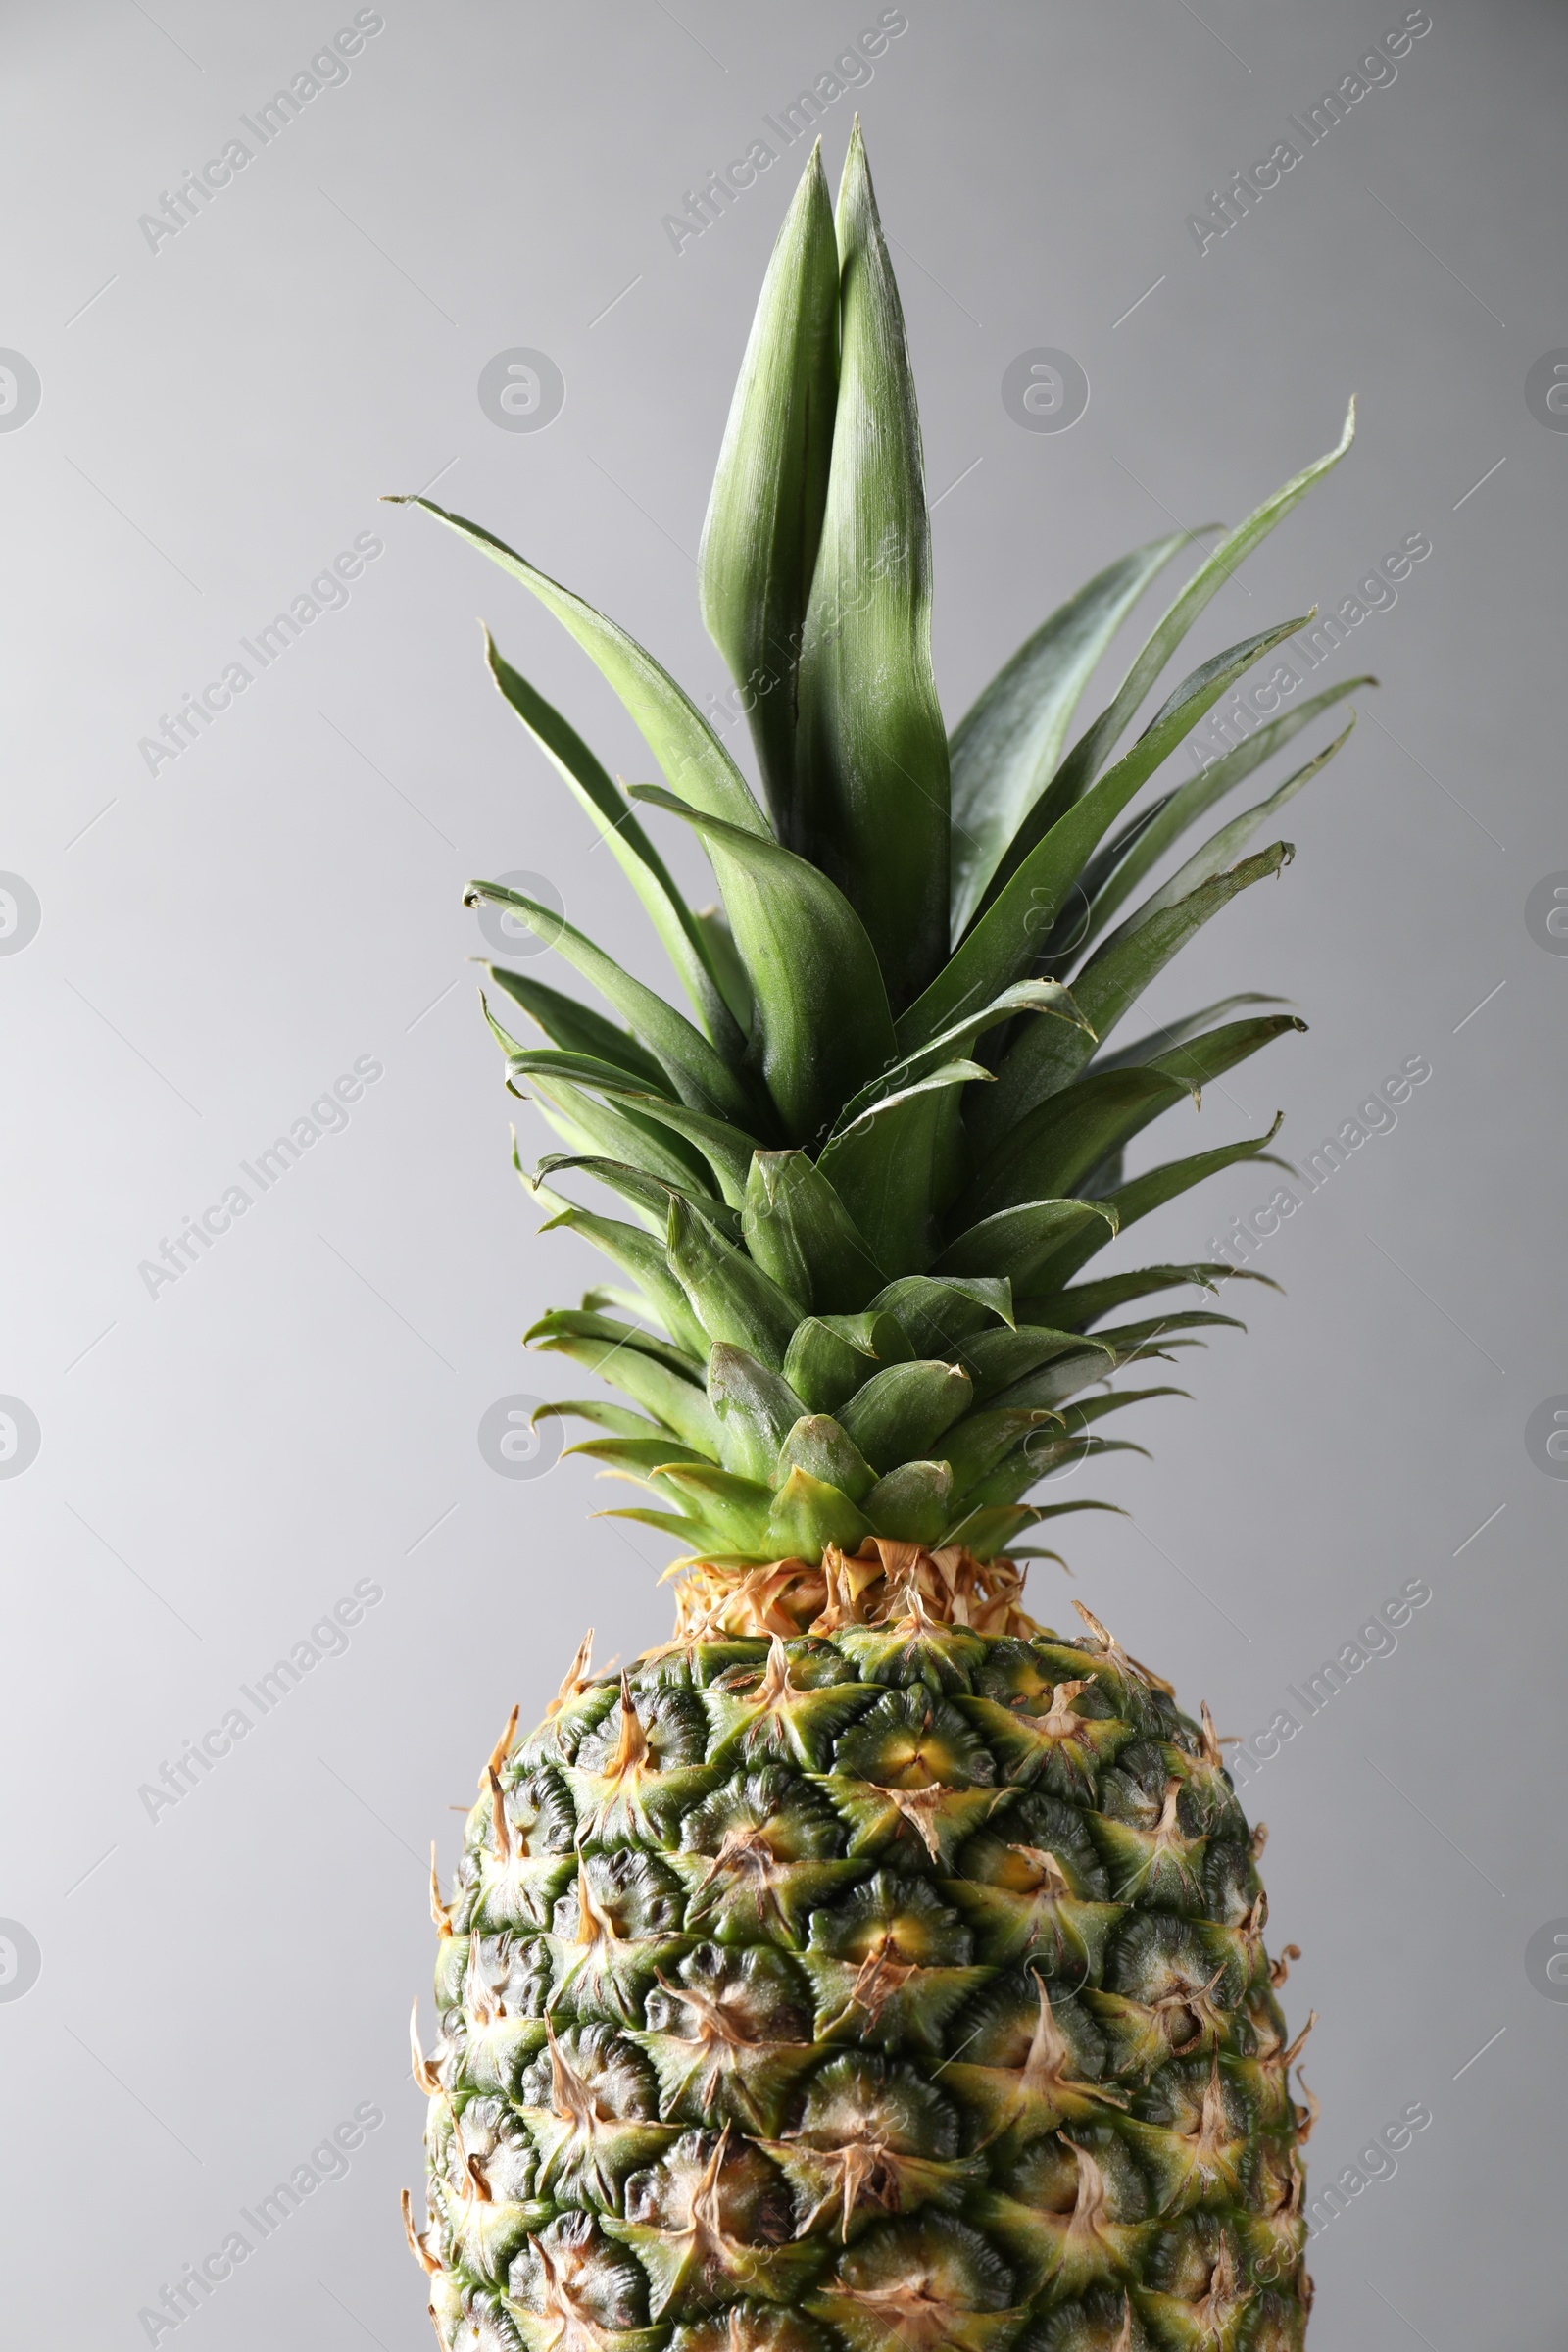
(903, 1989)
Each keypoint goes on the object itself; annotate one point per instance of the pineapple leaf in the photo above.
(982, 1442)
(732, 1296)
(1062, 1139)
(1085, 1301)
(727, 1151)
(754, 1411)
(1046, 1060)
(800, 1232)
(936, 1312)
(1151, 1190)
(819, 1445)
(679, 931)
(872, 776)
(885, 1166)
(765, 516)
(696, 1070)
(913, 1504)
(1083, 762)
(821, 1006)
(1024, 997)
(669, 1395)
(901, 1412)
(579, 1120)
(674, 731)
(641, 1256)
(647, 1194)
(830, 1357)
(1176, 1033)
(808, 1514)
(1005, 748)
(995, 1360)
(734, 1509)
(1164, 825)
(576, 1028)
(1231, 837)
(1015, 1241)
(1013, 924)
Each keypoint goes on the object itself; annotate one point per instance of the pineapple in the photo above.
(870, 1966)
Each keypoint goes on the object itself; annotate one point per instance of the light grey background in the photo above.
(220, 1463)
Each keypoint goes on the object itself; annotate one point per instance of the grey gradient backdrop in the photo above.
(221, 1985)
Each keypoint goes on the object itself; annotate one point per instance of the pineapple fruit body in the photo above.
(902, 1987)
(869, 1967)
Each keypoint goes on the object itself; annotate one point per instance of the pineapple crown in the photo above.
(867, 1170)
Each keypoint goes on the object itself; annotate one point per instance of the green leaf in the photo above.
(1104, 1111)
(821, 1006)
(603, 1415)
(830, 1357)
(679, 931)
(647, 1194)
(642, 1258)
(1046, 997)
(818, 1445)
(1085, 1301)
(732, 1297)
(1045, 1060)
(1209, 1056)
(1083, 762)
(1016, 1240)
(1056, 1145)
(622, 1134)
(1149, 1192)
(1176, 1033)
(726, 1148)
(572, 1322)
(765, 516)
(1017, 920)
(1165, 826)
(667, 1394)
(871, 773)
(983, 1441)
(733, 1510)
(577, 1028)
(694, 761)
(1206, 864)
(995, 1360)
(1052, 1384)
(808, 1515)
(1132, 1341)
(888, 1165)
(754, 1411)
(899, 1413)
(984, 1533)
(724, 956)
(636, 1456)
(936, 1311)
(913, 1504)
(800, 1232)
(698, 1074)
(1005, 749)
